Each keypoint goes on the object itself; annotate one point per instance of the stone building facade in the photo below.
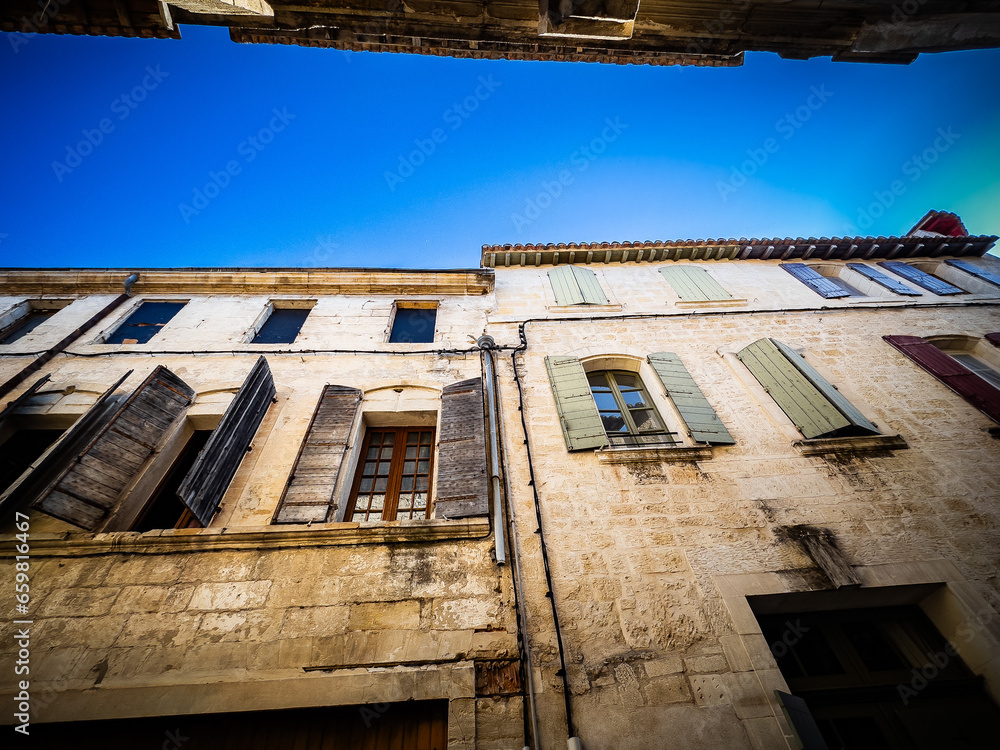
(744, 496)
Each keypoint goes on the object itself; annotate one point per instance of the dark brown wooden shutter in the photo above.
(86, 490)
(463, 481)
(308, 496)
(20, 400)
(993, 338)
(953, 374)
(39, 475)
(216, 465)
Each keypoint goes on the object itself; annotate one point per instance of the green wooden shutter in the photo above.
(590, 287)
(694, 283)
(578, 416)
(809, 400)
(699, 416)
(573, 285)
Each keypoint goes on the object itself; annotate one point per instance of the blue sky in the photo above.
(203, 152)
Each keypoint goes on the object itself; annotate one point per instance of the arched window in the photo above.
(627, 412)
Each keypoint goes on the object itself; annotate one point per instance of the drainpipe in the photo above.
(486, 345)
(39, 362)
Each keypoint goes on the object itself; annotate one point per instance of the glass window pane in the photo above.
(423, 466)
(372, 452)
(874, 648)
(409, 467)
(380, 484)
(425, 451)
(388, 438)
(626, 380)
(413, 325)
(597, 380)
(420, 501)
(411, 451)
(383, 468)
(366, 485)
(645, 420)
(634, 398)
(422, 483)
(605, 400)
(407, 485)
(377, 502)
(358, 516)
(370, 467)
(613, 422)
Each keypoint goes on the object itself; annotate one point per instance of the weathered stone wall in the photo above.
(645, 554)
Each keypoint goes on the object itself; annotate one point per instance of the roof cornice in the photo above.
(812, 248)
(52, 281)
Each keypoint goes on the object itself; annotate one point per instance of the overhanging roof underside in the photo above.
(813, 248)
(660, 32)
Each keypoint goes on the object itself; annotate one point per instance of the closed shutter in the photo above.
(38, 476)
(873, 274)
(815, 281)
(308, 496)
(956, 376)
(976, 271)
(463, 478)
(23, 398)
(921, 279)
(574, 285)
(216, 465)
(993, 338)
(89, 488)
(815, 407)
(803, 724)
(578, 415)
(692, 283)
(699, 416)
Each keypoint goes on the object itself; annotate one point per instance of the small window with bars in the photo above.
(394, 475)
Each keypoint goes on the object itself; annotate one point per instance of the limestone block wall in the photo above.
(652, 559)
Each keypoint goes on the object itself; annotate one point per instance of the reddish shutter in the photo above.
(956, 376)
(993, 338)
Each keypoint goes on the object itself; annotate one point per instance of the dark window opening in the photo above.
(413, 325)
(25, 325)
(881, 678)
(21, 450)
(393, 477)
(145, 322)
(165, 510)
(282, 326)
(845, 286)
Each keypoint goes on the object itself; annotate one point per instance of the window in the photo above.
(112, 446)
(921, 278)
(814, 405)
(393, 478)
(857, 671)
(877, 277)
(693, 283)
(144, 322)
(612, 406)
(627, 414)
(959, 363)
(987, 280)
(21, 449)
(575, 285)
(828, 285)
(165, 509)
(413, 323)
(26, 317)
(281, 322)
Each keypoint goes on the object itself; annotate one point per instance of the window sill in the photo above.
(70, 544)
(583, 308)
(688, 303)
(866, 444)
(644, 455)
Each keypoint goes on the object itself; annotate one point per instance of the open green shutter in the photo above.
(699, 416)
(694, 283)
(578, 416)
(564, 286)
(824, 386)
(590, 287)
(573, 285)
(808, 400)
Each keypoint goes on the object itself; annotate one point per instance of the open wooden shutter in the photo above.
(39, 475)
(20, 400)
(216, 465)
(815, 407)
(694, 283)
(574, 285)
(802, 721)
(873, 274)
(578, 416)
(975, 270)
(463, 478)
(308, 496)
(815, 280)
(921, 279)
(87, 490)
(699, 416)
(953, 374)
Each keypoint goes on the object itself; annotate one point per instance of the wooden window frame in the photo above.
(390, 506)
(634, 436)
